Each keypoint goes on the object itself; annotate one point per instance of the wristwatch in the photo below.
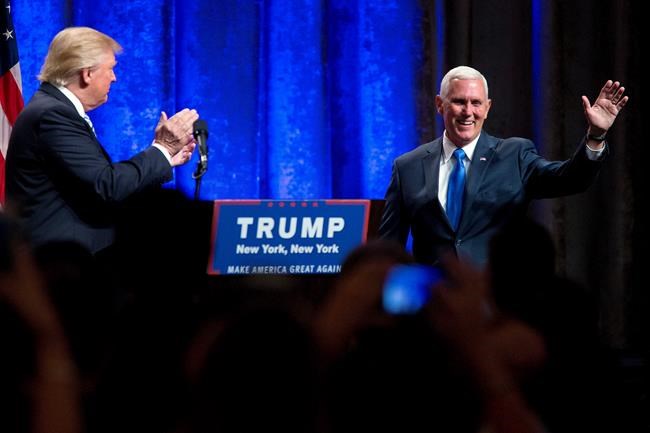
(600, 137)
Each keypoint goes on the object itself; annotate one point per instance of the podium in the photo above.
(288, 237)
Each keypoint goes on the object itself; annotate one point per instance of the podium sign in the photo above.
(285, 237)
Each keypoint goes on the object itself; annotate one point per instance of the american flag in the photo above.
(11, 97)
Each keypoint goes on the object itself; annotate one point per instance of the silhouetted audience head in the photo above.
(573, 384)
(254, 372)
(162, 243)
(83, 298)
(16, 369)
(526, 285)
(389, 373)
(401, 378)
(39, 385)
(521, 254)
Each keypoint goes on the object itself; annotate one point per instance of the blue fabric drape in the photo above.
(303, 98)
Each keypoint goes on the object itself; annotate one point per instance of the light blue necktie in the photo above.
(456, 189)
(90, 123)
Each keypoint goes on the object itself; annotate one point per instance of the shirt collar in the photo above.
(448, 147)
(73, 98)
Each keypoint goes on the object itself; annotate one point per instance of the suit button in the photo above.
(458, 242)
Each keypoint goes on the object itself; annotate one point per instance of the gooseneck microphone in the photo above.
(200, 132)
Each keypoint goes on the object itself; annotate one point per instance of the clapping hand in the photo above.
(184, 155)
(175, 133)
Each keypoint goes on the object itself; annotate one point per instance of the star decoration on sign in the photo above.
(8, 34)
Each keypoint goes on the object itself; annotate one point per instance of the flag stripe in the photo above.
(10, 97)
(11, 103)
(5, 130)
(15, 71)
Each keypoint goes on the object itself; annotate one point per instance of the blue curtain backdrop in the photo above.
(303, 98)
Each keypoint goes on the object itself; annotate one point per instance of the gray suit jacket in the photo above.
(61, 179)
(504, 176)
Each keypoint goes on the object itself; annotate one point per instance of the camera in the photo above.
(408, 288)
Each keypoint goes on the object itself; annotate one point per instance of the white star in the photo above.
(8, 34)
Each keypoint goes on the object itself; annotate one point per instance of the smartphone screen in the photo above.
(408, 288)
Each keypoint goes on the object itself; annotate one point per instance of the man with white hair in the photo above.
(60, 180)
(454, 193)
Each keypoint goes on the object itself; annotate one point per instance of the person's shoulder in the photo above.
(47, 111)
(50, 102)
(421, 151)
(514, 143)
(48, 97)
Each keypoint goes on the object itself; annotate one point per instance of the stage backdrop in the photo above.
(310, 99)
(303, 98)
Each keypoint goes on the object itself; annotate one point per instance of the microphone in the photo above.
(201, 136)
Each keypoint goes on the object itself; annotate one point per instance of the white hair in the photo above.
(461, 73)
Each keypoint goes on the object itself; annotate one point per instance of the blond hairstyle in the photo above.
(72, 50)
(461, 73)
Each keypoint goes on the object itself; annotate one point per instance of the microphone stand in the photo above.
(201, 169)
(200, 133)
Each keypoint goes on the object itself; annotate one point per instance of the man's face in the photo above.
(99, 80)
(464, 109)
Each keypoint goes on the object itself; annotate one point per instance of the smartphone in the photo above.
(408, 288)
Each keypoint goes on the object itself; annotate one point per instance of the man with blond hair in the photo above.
(60, 180)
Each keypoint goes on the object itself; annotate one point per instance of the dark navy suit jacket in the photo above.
(504, 176)
(61, 180)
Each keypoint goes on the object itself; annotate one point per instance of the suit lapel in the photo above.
(431, 168)
(57, 94)
(481, 160)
